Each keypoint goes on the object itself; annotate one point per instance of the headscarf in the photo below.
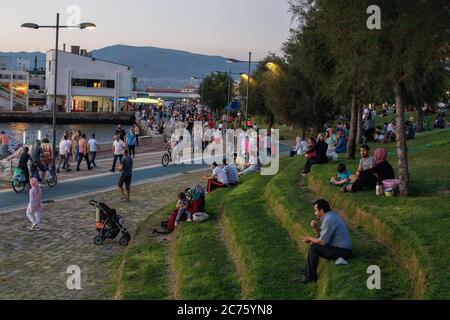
(35, 195)
(34, 182)
(379, 155)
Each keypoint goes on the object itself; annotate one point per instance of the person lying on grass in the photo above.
(343, 177)
(332, 240)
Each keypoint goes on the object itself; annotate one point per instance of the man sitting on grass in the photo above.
(332, 241)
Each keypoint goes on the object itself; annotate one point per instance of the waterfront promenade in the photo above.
(34, 264)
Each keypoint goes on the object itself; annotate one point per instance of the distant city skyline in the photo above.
(229, 28)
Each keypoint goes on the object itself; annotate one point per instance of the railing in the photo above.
(17, 97)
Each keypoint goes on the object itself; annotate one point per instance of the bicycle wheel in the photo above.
(165, 160)
(53, 180)
(18, 186)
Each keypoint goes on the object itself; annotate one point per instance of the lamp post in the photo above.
(248, 86)
(203, 86)
(85, 25)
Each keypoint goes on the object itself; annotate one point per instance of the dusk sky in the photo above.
(229, 28)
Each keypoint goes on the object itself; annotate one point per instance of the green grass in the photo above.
(416, 228)
(291, 202)
(141, 273)
(267, 257)
(204, 269)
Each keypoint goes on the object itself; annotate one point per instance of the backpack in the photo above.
(200, 217)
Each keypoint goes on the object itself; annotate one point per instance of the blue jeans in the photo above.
(181, 212)
(93, 155)
(116, 156)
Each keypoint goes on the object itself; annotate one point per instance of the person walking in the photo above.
(136, 132)
(83, 152)
(34, 208)
(4, 142)
(126, 167)
(93, 147)
(117, 150)
(64, 152)
(131, 141)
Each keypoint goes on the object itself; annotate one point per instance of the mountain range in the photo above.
(153, 67)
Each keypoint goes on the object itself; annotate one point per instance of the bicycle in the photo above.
(18, 181)
(167, 158)
(51, 179)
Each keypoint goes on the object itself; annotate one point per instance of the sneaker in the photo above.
(176, 223)
(306, 280)
(304, 174)
(189, 220)
(57, 171)
(33, 227)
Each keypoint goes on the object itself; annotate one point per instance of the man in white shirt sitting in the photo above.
(218, 179)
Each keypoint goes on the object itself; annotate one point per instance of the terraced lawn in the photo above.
(251, 248)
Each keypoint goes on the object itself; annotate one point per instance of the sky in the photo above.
(229, 28)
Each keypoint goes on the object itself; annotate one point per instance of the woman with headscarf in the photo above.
(382, 170)
(35, 205)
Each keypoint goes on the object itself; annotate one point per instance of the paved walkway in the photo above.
(34, 264)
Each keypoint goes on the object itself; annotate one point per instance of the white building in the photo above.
(14, 90)
(87, 84)
(23, 64)
(4, 62)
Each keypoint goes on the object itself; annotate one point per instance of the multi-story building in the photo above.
(86, 83)
(5, 62)
(13, 90)
(23, 64)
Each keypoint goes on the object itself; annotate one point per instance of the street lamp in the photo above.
(85, 25)
(203, 85)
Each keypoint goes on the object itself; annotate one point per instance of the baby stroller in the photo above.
(109, 224)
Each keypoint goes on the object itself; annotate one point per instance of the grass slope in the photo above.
(416, 228)
(292, 202)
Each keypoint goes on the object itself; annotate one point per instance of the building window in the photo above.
(91, 83)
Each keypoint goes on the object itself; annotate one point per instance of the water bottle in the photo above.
(379, 189)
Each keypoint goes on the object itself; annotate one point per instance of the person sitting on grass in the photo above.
(320, 154)
(341, 143)
(367, 179)
(182, 205)
(365, 163)
(251, 166)
(343, 177)
(332, 240)
(232, 173)
(218, 179)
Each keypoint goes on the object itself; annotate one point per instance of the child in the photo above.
(34, 207)
(182, 205)
(343, 177)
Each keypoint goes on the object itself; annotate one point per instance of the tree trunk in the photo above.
(271, 121)
(420, 119)
(359, 126)
(402, 150)
(351, 147)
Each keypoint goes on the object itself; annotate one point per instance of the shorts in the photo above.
(126, 180)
